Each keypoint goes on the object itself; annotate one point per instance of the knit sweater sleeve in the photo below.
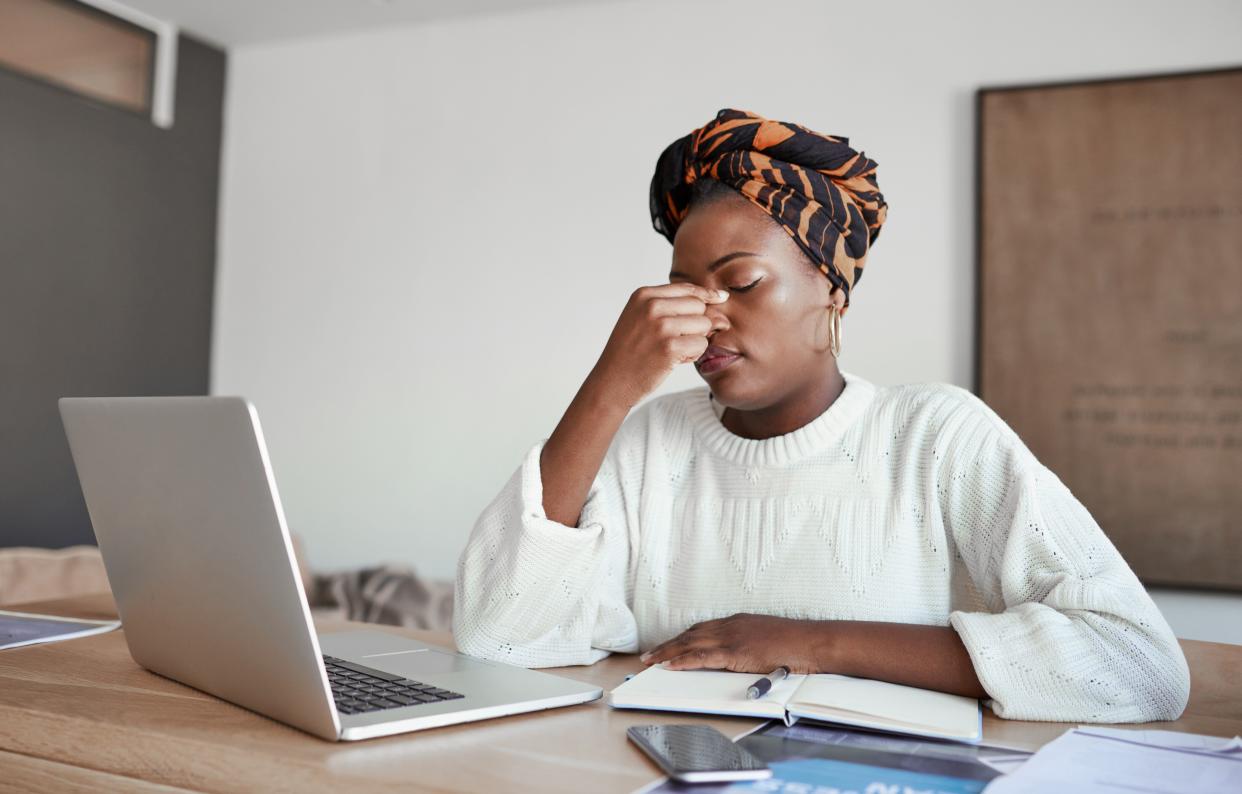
(537, 593)
(1071, 634)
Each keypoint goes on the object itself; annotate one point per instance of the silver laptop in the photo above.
(184, 504)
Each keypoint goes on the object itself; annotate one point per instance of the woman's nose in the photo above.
(720, 321)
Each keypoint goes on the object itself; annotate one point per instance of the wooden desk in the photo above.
(82, 714)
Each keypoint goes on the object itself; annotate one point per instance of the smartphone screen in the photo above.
(697, 753)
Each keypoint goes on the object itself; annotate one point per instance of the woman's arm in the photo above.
(537, 593)
(930, 657)
(542, 580)
(659, 328)
(572, 455)
(1065, 630)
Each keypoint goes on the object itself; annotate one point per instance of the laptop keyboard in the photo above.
(358, 690)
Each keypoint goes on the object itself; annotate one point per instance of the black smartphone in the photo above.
(697, 754)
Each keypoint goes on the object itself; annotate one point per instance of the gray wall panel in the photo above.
(107, 265)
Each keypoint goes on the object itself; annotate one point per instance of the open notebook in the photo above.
(859, 702)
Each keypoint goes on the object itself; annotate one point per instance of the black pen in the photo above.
(765, 684)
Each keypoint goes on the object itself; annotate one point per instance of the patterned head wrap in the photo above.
(820, 191)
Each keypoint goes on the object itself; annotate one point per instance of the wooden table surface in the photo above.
(82, 715)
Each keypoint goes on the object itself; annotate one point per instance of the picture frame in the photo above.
(1109, 305)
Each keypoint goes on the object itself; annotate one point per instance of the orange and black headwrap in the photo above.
(820, 191)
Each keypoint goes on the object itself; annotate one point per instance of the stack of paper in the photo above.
(1095, 759)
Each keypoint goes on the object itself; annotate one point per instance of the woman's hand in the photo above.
(929, 657)
(659, 328)
(747, 643)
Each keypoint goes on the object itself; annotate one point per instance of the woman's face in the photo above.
(777, 311)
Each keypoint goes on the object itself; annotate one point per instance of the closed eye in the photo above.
(749, 286)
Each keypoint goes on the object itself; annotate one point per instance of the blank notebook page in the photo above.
(703, 690)
(879, 702)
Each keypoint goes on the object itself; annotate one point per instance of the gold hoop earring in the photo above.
(834, 331)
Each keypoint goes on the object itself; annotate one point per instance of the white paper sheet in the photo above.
(22, 628)
(1119, 761)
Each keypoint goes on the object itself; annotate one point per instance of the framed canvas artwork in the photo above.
(1109, 269)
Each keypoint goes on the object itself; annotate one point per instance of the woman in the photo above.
(790, 513)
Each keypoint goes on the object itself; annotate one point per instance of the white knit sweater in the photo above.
(910, 504)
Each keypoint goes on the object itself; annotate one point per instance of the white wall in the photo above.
(428, 232)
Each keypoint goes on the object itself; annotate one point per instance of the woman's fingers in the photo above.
(744, 643)
(684, 324)
(668, 654)
(681, 305)
(692, 639)
(671, 307)
(687, 348)
(665, 650)
(682, 289)
(700, 659)
(656, 654)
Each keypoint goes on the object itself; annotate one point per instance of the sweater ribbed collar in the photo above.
(815, 436)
